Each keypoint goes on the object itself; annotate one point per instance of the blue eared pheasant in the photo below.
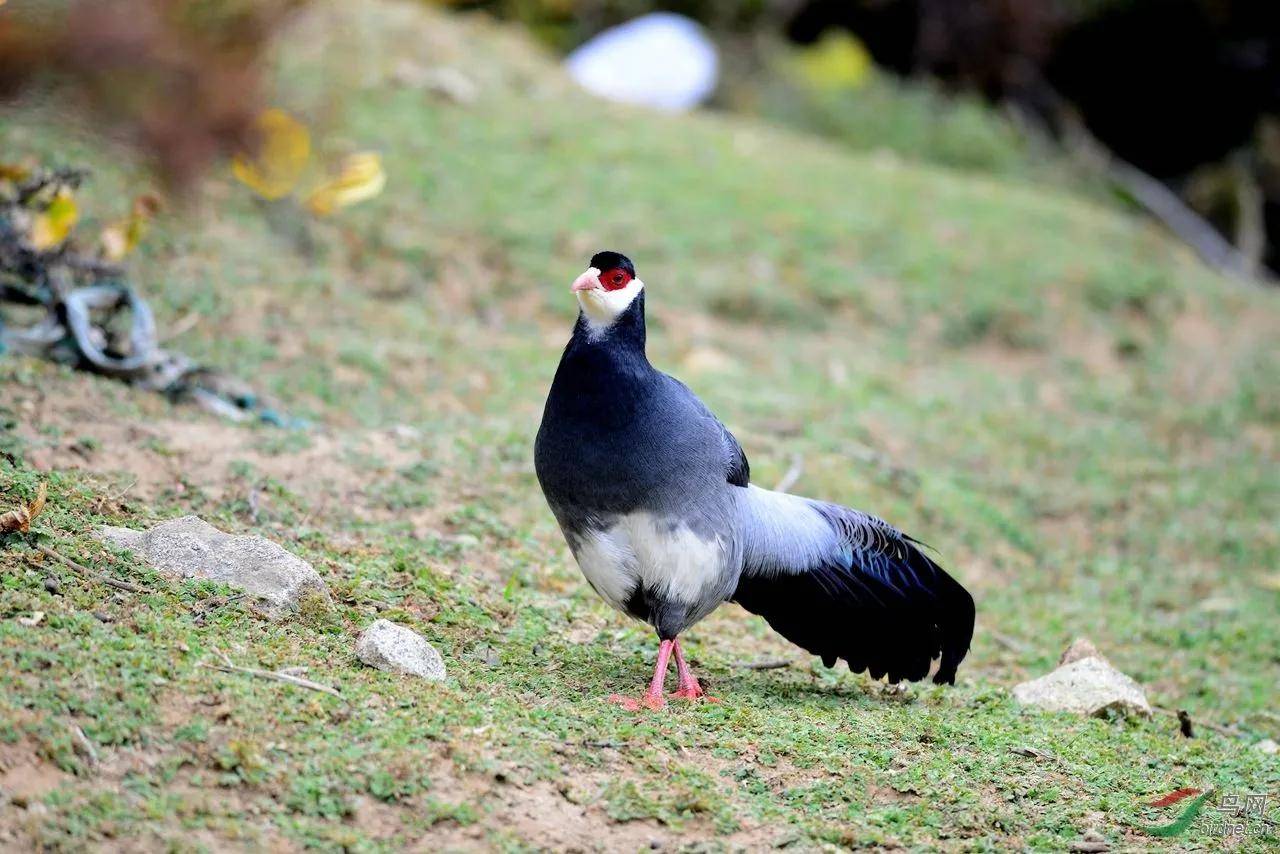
(653, 495)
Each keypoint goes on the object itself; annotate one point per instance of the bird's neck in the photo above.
(624, 337)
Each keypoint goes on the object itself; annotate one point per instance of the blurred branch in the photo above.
(1165, 205)
(1152, 194)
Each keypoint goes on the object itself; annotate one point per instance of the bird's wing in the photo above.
(737, 469)
(739, 472)
(844, 584)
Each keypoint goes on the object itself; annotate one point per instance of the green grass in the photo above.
(1058, 398)
(892, 118)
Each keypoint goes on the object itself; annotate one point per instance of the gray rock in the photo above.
(398, 649)
(193, 548)
(1086, 686)
(1080, 648)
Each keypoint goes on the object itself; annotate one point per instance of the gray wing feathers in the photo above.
(781, 533)
(737, 468)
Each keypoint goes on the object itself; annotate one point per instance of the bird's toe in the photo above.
(634, 704)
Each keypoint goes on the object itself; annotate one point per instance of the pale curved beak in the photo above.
(589, 280)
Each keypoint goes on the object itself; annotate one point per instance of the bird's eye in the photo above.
(615, 279)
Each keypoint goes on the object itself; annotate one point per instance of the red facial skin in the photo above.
(615, 279)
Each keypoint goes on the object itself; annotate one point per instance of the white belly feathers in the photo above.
(642, 549)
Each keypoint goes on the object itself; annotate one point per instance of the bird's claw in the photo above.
(652, 702)
(694, 693)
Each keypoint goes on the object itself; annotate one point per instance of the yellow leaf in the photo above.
(283, 148)
(121, 238)
(360, 177)
(54, 223)
(838, 61)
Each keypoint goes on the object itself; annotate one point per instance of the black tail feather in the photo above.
(891, 611)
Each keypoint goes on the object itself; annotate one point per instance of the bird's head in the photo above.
(607, 288)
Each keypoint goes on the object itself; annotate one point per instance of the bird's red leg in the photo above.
(689, 688)
(652, 698)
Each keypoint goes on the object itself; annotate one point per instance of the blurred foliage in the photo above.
(121, 238)
(913, 119)
(837, 61)
(277, 159)
(52, 225)
(40, 212)
(359, 177)
(181, 77)
(281, 149)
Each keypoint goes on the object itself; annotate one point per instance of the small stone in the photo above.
(52, 585)
(1087, 686)
(193, 548)
(103, 617)
(399, 649)
(1080, 648)
(1268, 746)
(406, 433)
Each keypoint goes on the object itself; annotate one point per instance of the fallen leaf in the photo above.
(1032, 753)
(283, 147)
(120, 239)
(54, 223)
(359, 177)
(20, 519)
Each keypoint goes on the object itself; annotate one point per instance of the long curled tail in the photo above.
(843, 584)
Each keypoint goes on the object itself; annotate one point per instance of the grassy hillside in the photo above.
(1081, 420)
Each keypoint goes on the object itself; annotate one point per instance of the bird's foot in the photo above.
(689, 688)
(693, 691)
(652, 702)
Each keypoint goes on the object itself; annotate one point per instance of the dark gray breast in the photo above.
(617, 436)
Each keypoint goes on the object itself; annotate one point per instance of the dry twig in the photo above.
(184, 325)
(278, 676)
(83, 747)
(85, 571)
(767, 664)
(1007, 641)
(792, 475)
